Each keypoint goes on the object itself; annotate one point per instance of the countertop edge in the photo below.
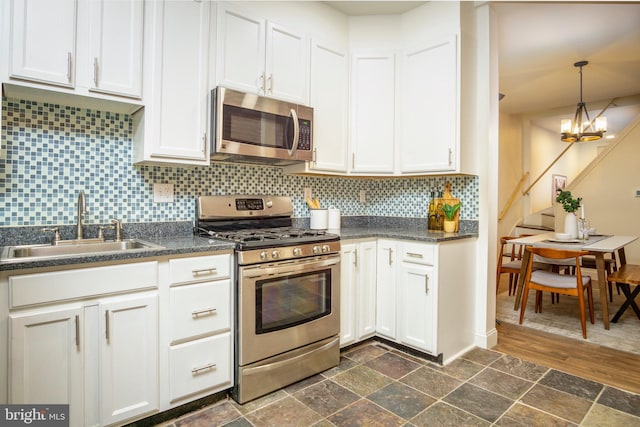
(179, 245)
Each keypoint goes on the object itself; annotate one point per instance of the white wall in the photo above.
(608, 190)
(510, 172)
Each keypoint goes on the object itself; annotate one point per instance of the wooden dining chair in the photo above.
(514, 252)
(565, 284)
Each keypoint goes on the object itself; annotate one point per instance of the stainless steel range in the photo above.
(287, 291)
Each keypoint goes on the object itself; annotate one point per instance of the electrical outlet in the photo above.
(163, 193)
(308, 194)
(363, 196)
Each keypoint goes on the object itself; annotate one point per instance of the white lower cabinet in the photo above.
(98, 354)
(129, 357)
(386, 288)
(417, 291)
(200, 365)
(118, 342)
(198, 338)
(46, 359)
(357, 291)
(425, 295)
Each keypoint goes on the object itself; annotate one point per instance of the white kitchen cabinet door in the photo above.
(261, 57)
(329, 96)
(286, 64)
(386, 283)
(115, 50)
(240, 50)
(372, 113)
(45, 364)
(174, 121)
(366, 268)
(348, 277)
(429, 110)
(129, 357)
(357, 291)
(43, 41)
(416, 300)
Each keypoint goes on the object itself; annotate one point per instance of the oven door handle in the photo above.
(288, 268)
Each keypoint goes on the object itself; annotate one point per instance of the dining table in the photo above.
(597, 245)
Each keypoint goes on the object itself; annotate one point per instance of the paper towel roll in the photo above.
(334, 219)
(319, 219)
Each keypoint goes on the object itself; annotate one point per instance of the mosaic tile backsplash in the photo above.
(50, 152)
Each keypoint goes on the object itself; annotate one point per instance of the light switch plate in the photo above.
(363, 196)
(162, 193)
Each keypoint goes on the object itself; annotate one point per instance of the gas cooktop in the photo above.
(254, 222)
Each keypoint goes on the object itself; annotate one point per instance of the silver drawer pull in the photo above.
(196, 371)
(414, 255)
(210, 270)
(207, 311)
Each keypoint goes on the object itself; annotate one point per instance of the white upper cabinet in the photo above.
(73, 47)
(173, 126)
(32, 23)
(115, 50)
(372, 113)
(329, 97)
(429, 110)
(261, 57)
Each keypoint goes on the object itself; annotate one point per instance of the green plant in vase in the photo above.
(449, 215)
(570, 205)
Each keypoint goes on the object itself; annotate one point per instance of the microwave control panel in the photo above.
(304, 142)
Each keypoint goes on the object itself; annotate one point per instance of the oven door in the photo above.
(283, 306)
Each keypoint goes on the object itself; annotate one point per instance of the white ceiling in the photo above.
(540, 41)
(357, 8)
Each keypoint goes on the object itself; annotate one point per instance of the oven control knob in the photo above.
(317, 249)
(264, 255)
(297, 252)
(325, 248)
(275, 254)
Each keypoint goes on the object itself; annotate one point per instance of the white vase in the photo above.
(571, 225)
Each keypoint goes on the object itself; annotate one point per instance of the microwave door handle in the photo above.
(296, 133)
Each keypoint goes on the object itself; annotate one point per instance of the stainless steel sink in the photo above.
(72, 248)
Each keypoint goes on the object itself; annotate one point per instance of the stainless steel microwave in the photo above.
(251, 128)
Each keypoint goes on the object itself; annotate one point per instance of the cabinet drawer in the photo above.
(200, 365)
(57, 286)
(199, 309)
(199, 269)
(417, 253)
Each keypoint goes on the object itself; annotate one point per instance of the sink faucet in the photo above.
(82, 209)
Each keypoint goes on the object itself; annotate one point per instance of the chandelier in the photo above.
(582, 129)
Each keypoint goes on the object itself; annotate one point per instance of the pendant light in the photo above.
(582, 129)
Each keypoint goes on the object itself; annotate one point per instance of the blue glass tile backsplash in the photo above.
(50, 152)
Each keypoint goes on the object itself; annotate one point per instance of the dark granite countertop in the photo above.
(417, 234)
(177, 238)
(171, 245)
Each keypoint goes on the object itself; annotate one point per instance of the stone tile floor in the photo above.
(376, 385)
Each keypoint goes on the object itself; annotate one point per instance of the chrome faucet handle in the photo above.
(117, 224)
(101, 229)
(56, 234)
